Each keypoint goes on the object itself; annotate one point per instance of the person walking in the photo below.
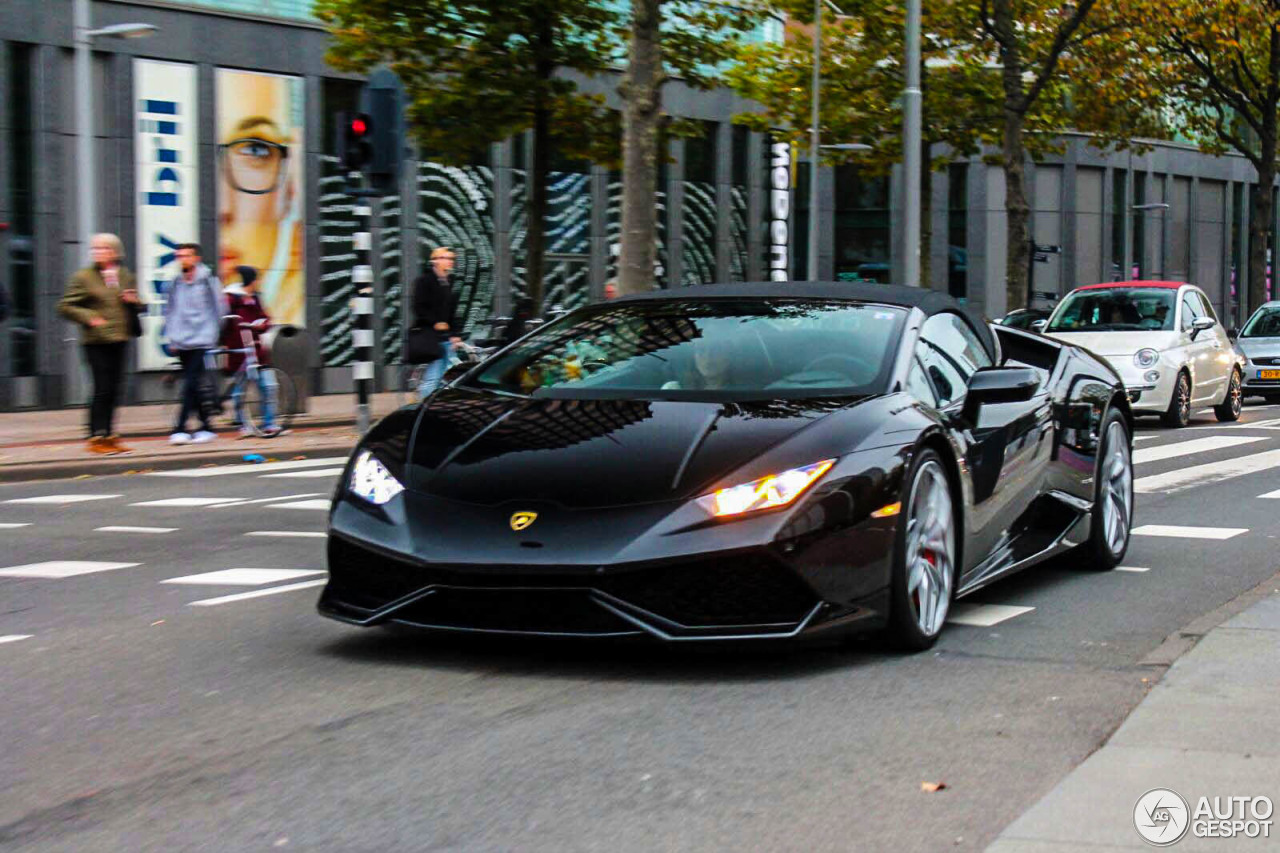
(193, 319)
(251, 316)
(103, 300)
(433, 307)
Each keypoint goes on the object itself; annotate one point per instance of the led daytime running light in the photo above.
(766, 493)
(371, 481)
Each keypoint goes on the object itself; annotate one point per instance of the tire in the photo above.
(1228, 410)
(1178, 414)
(1112, 515)
(1272, 399)
(924, 557)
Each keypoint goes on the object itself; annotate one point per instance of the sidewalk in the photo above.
(49, 444)
(1207, 729)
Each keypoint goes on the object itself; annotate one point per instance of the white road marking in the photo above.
(13, 638)
(322, 503)
(188, 502)
(257, 593)
(1210, 472)
(289, 534)
(245, 577)
(270, 500)
(984, 615)
(1183, 532)
(1131, 569)
(10, 525)
(1271, 495)
(122, 528)
(62, 499)
(1144, 437)
(301, 475)
(250, 468)
(1195, 445)
(61, 569)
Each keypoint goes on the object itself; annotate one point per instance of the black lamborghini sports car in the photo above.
(735, 461)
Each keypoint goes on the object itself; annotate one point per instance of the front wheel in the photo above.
(1112, 518)
(1229, 409)
(1179, 412)
(924, 561)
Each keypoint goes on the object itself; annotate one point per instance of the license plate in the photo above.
(1269, 374)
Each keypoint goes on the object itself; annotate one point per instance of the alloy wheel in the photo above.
(1184, 398)
(930, 548)
(1235, 397)
(1116, 489)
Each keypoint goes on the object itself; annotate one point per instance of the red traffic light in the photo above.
(359, 126)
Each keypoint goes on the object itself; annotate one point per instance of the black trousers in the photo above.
(106, 364)
(194, 389)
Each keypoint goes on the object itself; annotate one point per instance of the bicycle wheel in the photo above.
(281, 399)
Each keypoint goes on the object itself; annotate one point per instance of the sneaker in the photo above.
(114, 442)
(203, 437)
(99, 444)
(180, 438)
(245, 432)
(271, 431)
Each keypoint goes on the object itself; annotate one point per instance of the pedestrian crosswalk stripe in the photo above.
(61, 569)
(301, 475)
(984, 615)
(1144, 437)
(1210, 472)
(1131, 569)
(290, 534)
(275, 498)
(322, 503)
(11, 525)
(250, 468)
(1183, 532)
(62, 499)
(257, 593)
(1195, 445)
(13, 638)
(171, 502)
(122, 528)
(245, 577)
(1271, 495)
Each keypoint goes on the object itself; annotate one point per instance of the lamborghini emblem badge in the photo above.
(521, 520)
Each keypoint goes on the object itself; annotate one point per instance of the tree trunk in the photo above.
(1018, 250)
(1260, 229)
(641, 91)
(926, 217)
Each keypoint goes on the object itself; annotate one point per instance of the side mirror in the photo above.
(1201, 324)
(999, 385)
(1038, 325)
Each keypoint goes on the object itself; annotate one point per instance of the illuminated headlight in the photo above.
(1146, 357)
(1152, 376)
(371, 480)
(766, 493)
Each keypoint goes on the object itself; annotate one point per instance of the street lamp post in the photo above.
(912, 131)
(86, 172)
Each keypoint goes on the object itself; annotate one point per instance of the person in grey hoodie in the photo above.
(193, 324)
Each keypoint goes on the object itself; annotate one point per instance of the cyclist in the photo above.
(247, 307)
(193, 319)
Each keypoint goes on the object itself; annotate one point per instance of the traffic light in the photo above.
(355, 141)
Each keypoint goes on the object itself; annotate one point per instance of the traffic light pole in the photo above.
(362, 278)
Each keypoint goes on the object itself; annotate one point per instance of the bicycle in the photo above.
(279, 401)
(461, 353)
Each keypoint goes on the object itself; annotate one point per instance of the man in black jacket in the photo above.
(433, 308)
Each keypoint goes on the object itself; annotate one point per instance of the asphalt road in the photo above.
(139, 714)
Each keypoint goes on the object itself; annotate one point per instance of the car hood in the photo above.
(1259, 347)
(1114, 344)
(486, 448)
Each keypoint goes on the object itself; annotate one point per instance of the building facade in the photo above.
(223, 77)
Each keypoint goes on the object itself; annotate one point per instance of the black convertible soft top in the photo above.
(929, 301)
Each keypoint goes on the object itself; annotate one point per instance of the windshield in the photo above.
(706, 350)
(1116, 309)
(1265, 323)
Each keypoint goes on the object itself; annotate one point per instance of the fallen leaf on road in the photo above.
(157, 622)
(932, 787)
(82, 476)
(298, 458)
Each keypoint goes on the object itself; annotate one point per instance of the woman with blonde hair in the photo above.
(103, 300)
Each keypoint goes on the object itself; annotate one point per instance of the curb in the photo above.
(62, 470)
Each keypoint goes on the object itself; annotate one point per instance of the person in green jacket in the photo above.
(103, 300)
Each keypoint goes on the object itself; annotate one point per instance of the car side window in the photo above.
(918, 385)
(950, 352)
(1190, 310)
(1206, 307)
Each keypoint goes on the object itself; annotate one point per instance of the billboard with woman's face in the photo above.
(261, 171)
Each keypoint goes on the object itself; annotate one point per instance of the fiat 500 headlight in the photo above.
(371, 481)
(766, 493)
(1146, 357)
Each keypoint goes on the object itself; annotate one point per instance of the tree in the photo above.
(694, 39)
(863, 76)
(480, 71)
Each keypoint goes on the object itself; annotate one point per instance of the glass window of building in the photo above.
(20, 240)
(958, 230)
(1118, 222)
(862, 226)
(699, 207)
(1138, 259)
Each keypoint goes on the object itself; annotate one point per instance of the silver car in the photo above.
(1259, 341)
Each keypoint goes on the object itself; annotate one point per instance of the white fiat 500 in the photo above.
(1164, 340)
